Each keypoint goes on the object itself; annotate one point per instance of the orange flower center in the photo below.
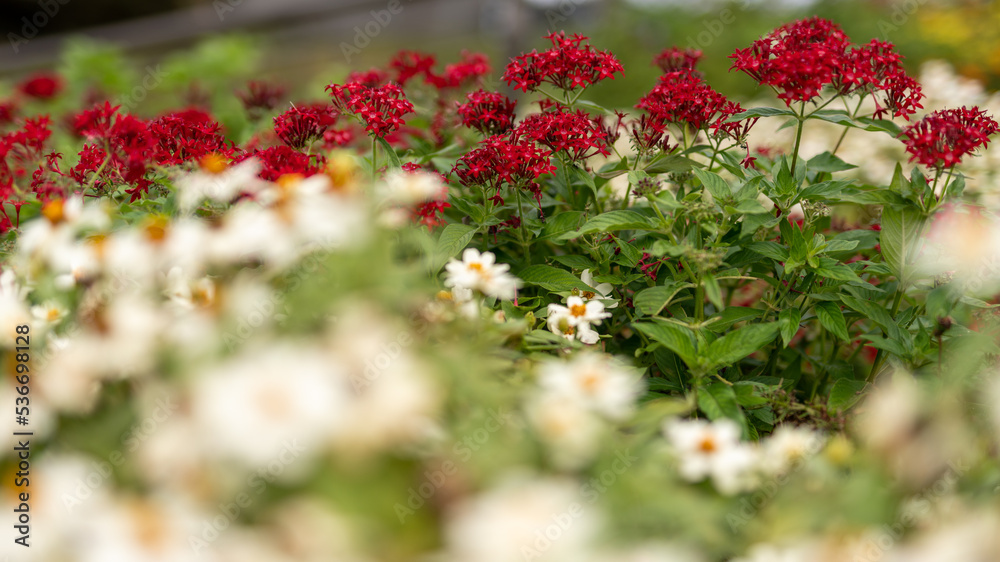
(53, 210)
(578, 310)
(707, 445)
(214, 163)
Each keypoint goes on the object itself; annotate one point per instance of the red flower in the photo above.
(96, 122)
(488, 112)
(381, 109)
(277, 161)
(185, 136)
(576, 133)
(8, 110)
(409, 64)
(510, 159)
(372, 78)
(469, 70)
(672, 59)
(682, 97)
(41, 86)
(429, 212)
(568, 65)
(798, 59)
(941, 139)
(299, 126)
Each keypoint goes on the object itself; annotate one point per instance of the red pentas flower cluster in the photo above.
(800, 59)
(488, 112)
(575, 133)
(300, 126)
(943, 138)
(381, 109)
(186, 136)
(510, 159)
(571, 63)
(20, 151)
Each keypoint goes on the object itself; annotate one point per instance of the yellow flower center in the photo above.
(214, 163)
(707, 445)
(53, 210)
(578, 310)
(476, 266)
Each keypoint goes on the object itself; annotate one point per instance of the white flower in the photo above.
(410, 188)
(570, 430)
(787, 446)
(575, 319)
(13, 308)
(712, 450)
(48, 314)
(505, 524)
(595, 380)
(221, 187)
(479, 271)
(254, 406)
(603, 290)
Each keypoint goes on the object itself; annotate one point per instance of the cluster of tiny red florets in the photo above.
(488, 112)
(674, 58)
(300, 126)
(571, 63)
(43, 86)
(943, 138)
(801, 58)
(683, 98)
(574, 133)
(381, 109)
(510, 159)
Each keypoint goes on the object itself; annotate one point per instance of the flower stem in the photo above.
(798, 138)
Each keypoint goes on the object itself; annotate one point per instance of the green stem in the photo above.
(522, 231)
(798, 137)
(880, 356)
(374, 157)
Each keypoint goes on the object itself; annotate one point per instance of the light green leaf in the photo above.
(715, 185)
(552, 278)
(899, 238)
(454, 238)
(740, 343)
(831, 318)
(676, 338)
(844, 394)
(788, 322)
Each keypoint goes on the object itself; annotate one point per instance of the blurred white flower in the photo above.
(713, 449)
(259, 404)
(522, 519)
(597, 381)
(787, 446)
(964, 242)
(604, 290)
(47, 314)
(570, 431)
(481, 272)
(13, 307)
(218, 186)
(409, 188)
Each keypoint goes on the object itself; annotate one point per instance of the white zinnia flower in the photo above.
(575, 319)
(218, 187)
(597, 381)
(409, 188)
(481, 272)
(712, 450)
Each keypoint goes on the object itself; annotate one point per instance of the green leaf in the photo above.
(454, 238)
(712, 291)
(718, 400)
(840, 245)
(575, 262)
(844, 394)
(612, 221)
(715, 185)
(838, 116)
(672, 163)
(788, 323)
(552, 278)
(390, 152)
(831, 318)
(769, 249)
(874, 312)
(880, 125)
(837, 271)
(730, 316)
(760, 112)
(899, 238)
(827, 162)
(748, 207)
(740, 343)
(676, 338)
